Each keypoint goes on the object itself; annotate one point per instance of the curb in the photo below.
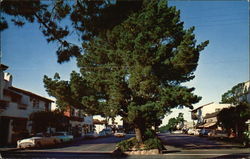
(9, 149)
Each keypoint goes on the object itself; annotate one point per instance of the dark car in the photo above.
(204, 132)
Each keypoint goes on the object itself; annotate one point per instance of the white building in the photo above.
(100, 124)
(80, 124)
(202, 112)
(16, 105)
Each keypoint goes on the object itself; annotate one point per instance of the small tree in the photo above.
(173, 123)
(235, 117)
(43, 120)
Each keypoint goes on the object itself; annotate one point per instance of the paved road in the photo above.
(179, 146)
(102, 145)
(188, 146)
(86, 148)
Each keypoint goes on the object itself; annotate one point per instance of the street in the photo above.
(187, 146)
(178, 146)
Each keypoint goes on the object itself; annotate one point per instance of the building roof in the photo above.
(211, 115)
(3, 67)
(30, 94)
(97, 121)
(201, 106)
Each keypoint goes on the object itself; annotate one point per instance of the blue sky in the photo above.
(223, 64)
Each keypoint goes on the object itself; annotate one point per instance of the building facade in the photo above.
(80, 124)
(16, 105)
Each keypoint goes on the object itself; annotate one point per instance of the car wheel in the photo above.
(245, 143)
(55, 142)
(39, 144)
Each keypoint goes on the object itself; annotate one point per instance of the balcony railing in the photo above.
(22, 106)
(4, 104)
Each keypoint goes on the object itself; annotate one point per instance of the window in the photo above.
(35, 103)
(46, 106)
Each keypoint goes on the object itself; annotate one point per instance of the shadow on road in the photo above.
(233, 156)
(85, 141)
(194, 142)
(64, 155)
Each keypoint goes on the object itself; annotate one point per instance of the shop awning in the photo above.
(207, 125)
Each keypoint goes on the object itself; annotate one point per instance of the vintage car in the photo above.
(218, 134)
(204, 132)
(63, 136)
(91, 135)
(119, 134)
(105, 132)
(38, 140)
(191, 131)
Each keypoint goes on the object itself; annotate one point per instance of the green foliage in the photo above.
(235, 95)
(42, 120)
(150, 143)
(172, 123)
(153, 143)
(133, 58)
(235, 117)
(149, 133)
(126, 145)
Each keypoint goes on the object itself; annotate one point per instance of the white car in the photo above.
(119, 134)
(197, 132)
(91, 135)
(37, 141)
(218, 134)
(63, 136)
(191, 131)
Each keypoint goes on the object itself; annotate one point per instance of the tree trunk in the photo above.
(138, 135)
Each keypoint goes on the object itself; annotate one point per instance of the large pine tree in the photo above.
(133, 59)
(136, 68)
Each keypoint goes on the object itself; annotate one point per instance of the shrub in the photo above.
(153, 143)
(126, 145)
(149, 133)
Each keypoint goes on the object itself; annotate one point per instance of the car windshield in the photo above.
(36, 135)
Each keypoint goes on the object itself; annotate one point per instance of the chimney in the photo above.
(2, 69)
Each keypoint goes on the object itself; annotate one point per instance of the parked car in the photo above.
(197, 132)
(204, 132)
(190, 131)
(185, 131)
(105, 132)
(38, 140)
(91, 135)
(63, 136)
(119, 134)
(218, 134)
(177, 132)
